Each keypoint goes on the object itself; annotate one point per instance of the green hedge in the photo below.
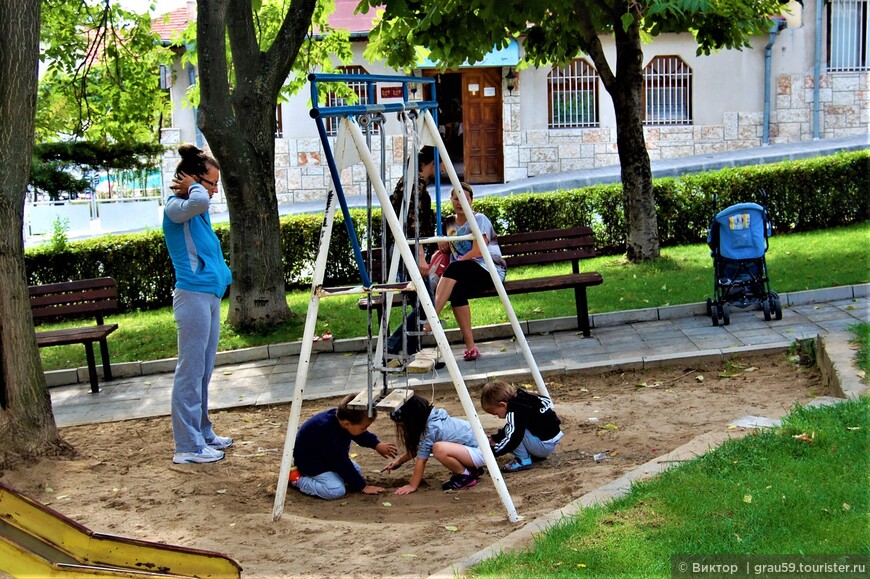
(801, 196)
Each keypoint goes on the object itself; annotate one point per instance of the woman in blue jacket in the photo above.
(201, 279)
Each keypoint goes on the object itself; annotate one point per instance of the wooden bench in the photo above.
(91, 297)
(535, 248)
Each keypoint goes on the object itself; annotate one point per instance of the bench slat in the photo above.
(68, 336)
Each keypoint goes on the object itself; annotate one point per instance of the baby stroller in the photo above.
(738, 241)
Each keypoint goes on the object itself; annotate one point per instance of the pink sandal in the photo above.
(472, 354)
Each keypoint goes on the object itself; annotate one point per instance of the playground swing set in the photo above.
(353, 145)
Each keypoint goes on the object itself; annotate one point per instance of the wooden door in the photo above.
(482, 125)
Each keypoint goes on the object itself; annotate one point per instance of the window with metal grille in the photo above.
(573, 96)
(279, 122)
(361, 90)
(667, 92)
(847, 35)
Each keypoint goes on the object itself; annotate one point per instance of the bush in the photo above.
(801, 196)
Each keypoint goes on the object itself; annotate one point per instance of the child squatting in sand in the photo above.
(531, 431)
(425, 431)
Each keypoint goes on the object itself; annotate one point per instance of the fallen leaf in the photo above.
(51, 490)
(728, 374)
(747, 499)
(699, 378)
(408, 555)
(803, 437)
(581, 565)
(847, 507)
(227, 372)
(221, 491)
(451, 528)
(503, 350)
(751, 369)
(610, 426)
(387, 504)
(354, 454)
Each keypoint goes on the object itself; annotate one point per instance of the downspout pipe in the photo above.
(817, 69)
(776, 25)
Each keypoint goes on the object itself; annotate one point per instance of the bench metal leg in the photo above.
(107, 366)
(582, 311)
(92, 367)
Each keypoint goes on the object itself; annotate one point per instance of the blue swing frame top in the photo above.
(319, 113)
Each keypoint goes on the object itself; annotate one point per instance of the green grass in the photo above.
(799, 489)
(862, 340)
(682, 275)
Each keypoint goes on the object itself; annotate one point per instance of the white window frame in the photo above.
(361, 90)
(572, 96)
(667, 92)
(848, 24)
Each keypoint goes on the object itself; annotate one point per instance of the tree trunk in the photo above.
(240, 128)
(625, 87)
(642, 236)
(257, 297)
(27, 425)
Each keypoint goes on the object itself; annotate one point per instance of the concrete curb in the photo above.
(482, 333)
(835, 357)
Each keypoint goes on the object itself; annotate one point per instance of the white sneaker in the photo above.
(207, 454)
(220, 442)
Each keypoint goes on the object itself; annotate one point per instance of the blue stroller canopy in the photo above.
(743, 231)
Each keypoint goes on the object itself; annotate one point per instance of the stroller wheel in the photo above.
(777, 309)
(714, 314)
(726, 314)
(765, 307)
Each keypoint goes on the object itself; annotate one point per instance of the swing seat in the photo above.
(391, 401)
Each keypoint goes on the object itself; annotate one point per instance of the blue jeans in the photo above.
(534, 446)
(326, 485)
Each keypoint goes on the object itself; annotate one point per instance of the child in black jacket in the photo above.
(532, 429)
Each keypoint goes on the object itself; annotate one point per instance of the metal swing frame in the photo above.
(354, 148)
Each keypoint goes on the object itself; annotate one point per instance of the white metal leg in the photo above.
(304, 358)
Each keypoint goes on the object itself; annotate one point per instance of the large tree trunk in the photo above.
(642, 236)
(239, 123)
(624, 87)
(244, 145)
(27, 425)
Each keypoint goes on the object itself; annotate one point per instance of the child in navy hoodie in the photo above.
(532, 429)
(322, 452)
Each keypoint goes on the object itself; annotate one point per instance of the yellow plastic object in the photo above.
(37, 541)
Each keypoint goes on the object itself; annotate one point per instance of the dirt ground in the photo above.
(123, 481)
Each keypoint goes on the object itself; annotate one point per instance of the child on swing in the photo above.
(321, 454)
(425, 431)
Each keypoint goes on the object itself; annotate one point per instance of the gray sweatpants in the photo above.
(197, 315)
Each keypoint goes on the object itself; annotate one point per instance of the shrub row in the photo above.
(800, 196)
